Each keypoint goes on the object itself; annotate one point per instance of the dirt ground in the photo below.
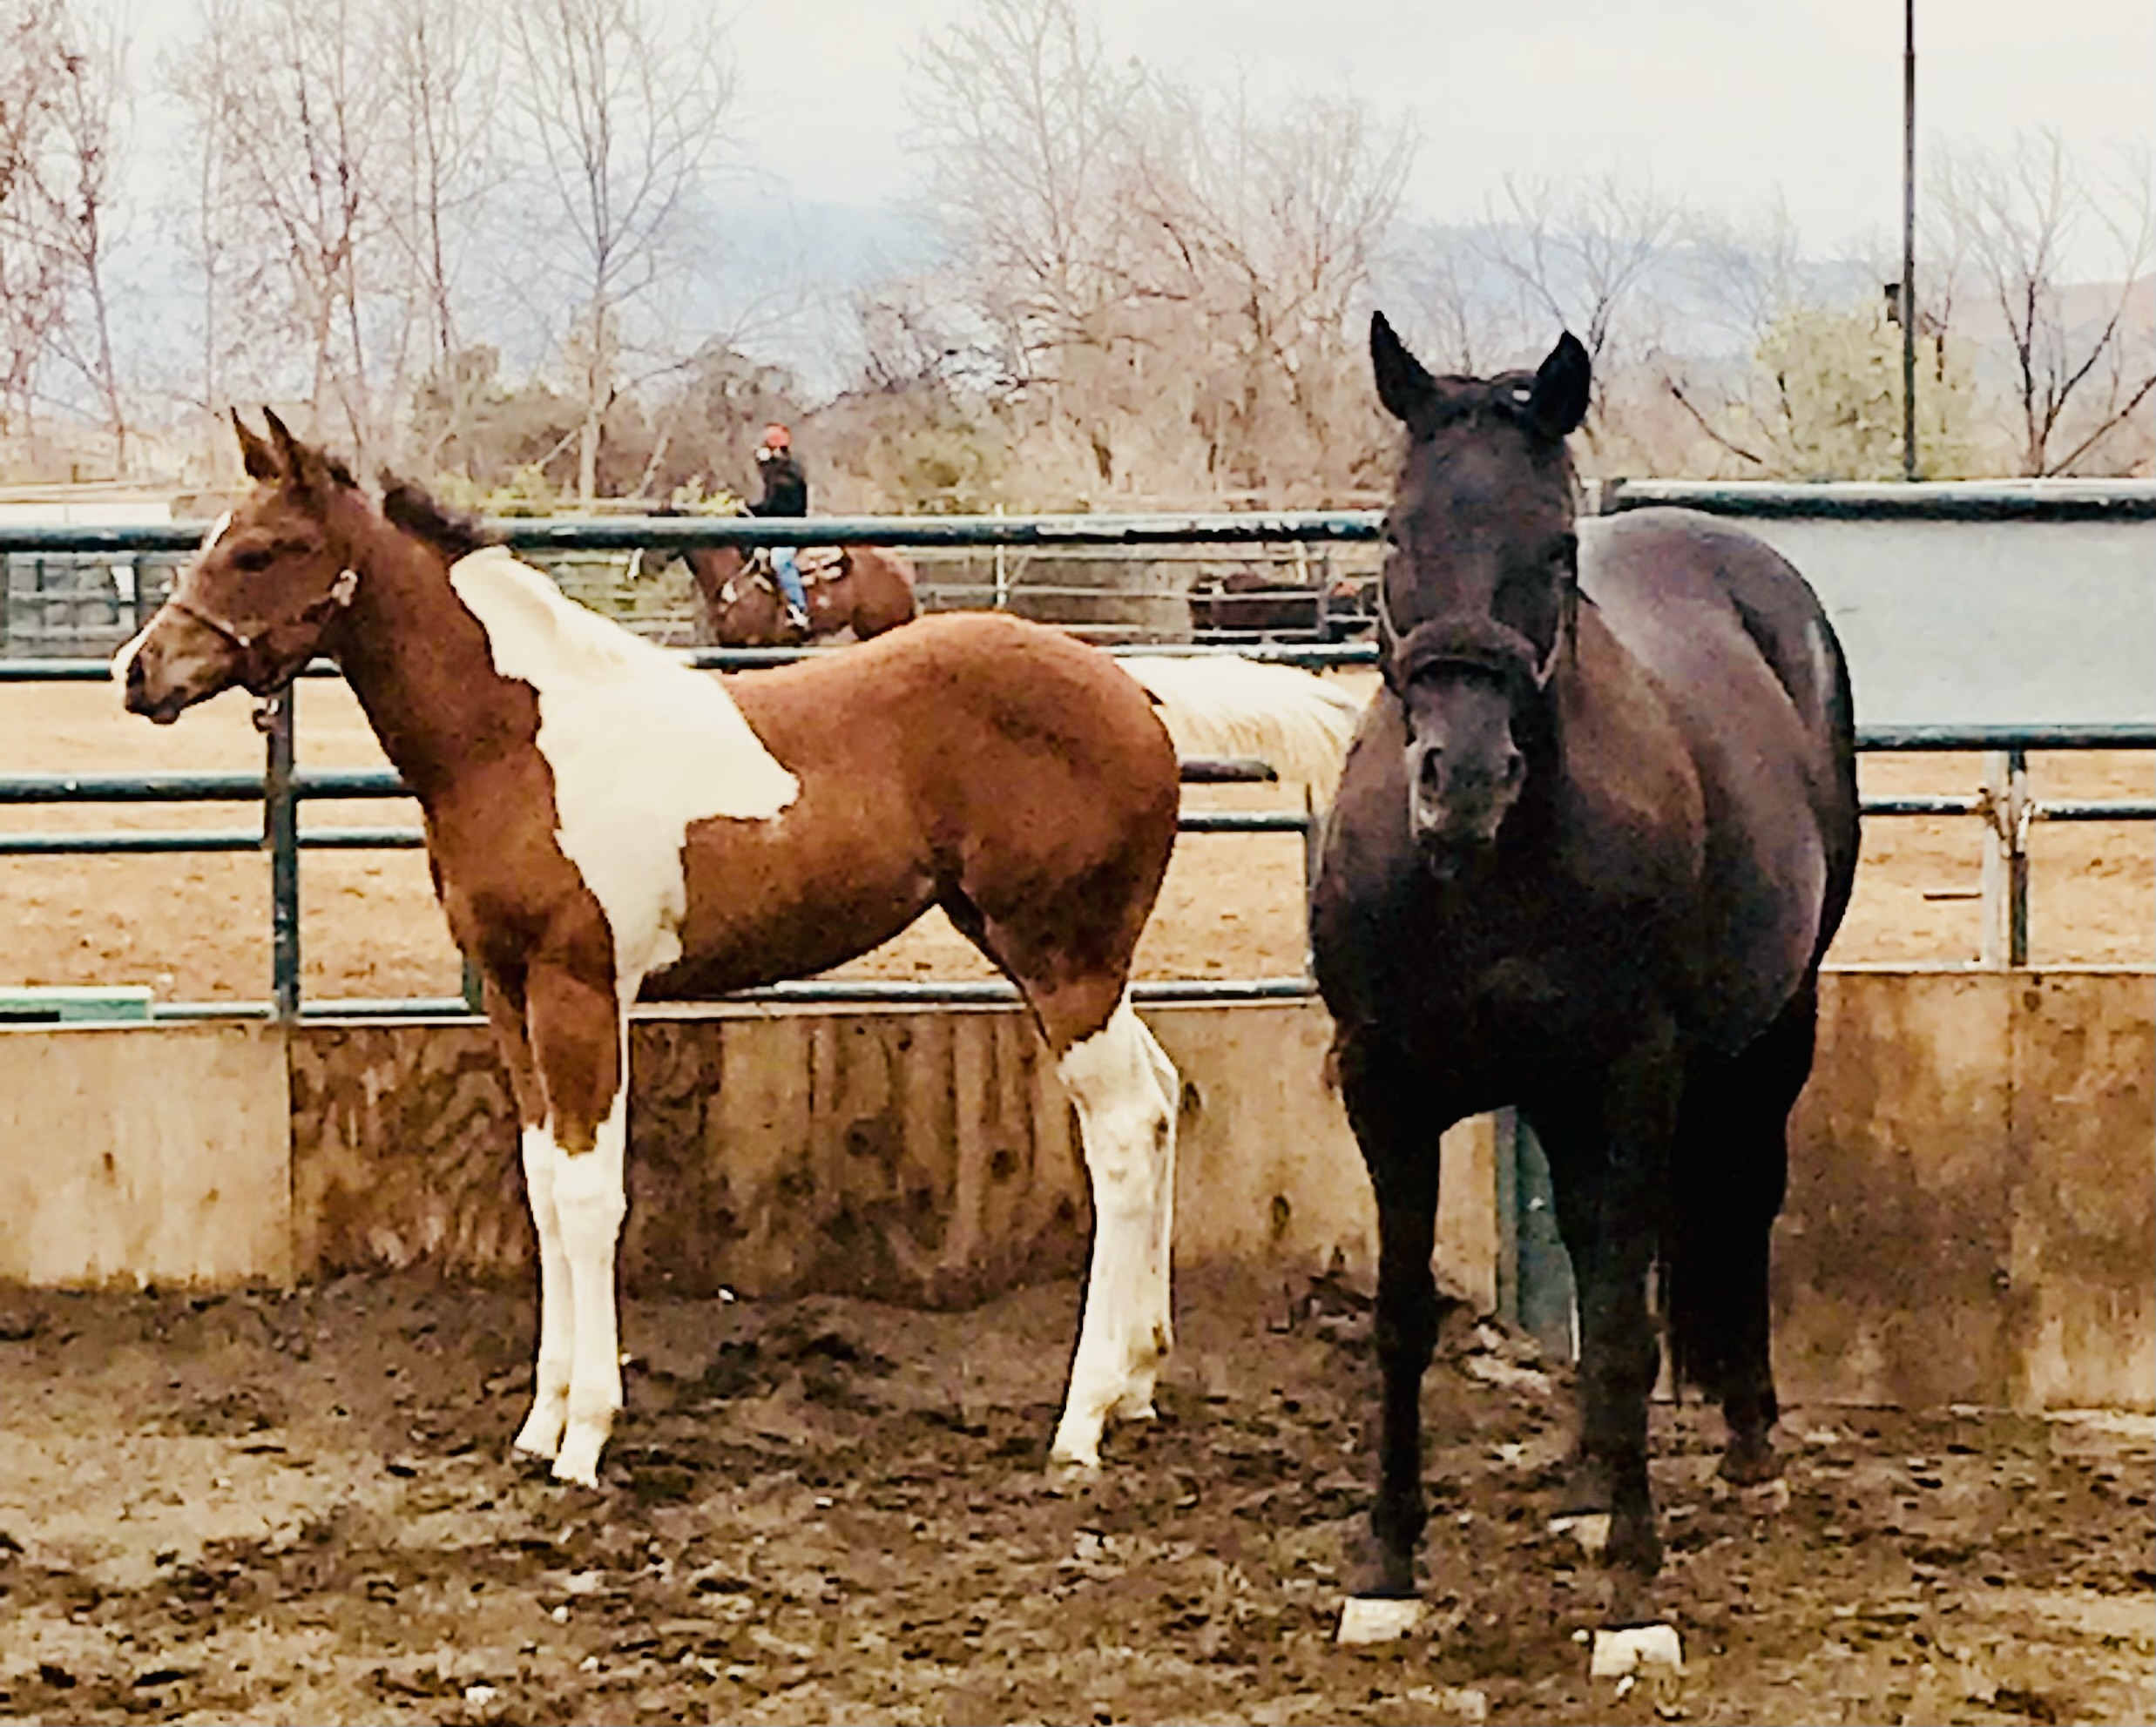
(196, 928)
(277, 1509)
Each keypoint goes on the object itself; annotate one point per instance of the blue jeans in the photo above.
(786, 566)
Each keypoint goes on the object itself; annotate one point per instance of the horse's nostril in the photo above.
(1514, 770)
(1430, 770)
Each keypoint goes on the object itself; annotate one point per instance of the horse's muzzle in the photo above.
(1458, 806)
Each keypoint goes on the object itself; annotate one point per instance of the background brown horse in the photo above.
(868, 589)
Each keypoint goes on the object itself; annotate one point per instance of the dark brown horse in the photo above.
(1591, 842)
(605, 823)
(867, 589)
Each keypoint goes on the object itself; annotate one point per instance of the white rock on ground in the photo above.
(1618, 1654)
(1377, 1619)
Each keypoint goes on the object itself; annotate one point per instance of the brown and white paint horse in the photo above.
(867, 589)
(605, 823)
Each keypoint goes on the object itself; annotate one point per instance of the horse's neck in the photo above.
(419, 665)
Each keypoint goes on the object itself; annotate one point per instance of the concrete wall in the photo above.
(1972, 1213)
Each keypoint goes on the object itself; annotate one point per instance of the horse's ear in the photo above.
(1558, 400)
(304, 468)
(1407, 391)
(256, 456)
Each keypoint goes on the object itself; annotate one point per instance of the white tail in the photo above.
(1223, 705)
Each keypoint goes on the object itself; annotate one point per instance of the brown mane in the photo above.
(412, 508)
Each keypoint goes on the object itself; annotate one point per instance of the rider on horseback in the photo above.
(786, 494)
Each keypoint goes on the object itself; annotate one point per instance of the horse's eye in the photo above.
(252, 558)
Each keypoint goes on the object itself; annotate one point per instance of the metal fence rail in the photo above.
(2003, 800)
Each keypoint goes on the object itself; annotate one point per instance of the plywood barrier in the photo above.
(1972, 1204)
(132, 1154)
(924, 1155)
(1971, 1214)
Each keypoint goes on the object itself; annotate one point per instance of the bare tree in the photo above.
(1026, 127)
(1580, 254)
(444, 65)
(622, 117)
(33, 278)
(286, 96)
(76, 188)
(2014, 222)
(1272, 223)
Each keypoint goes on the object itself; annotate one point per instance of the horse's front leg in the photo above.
(579, 1041)
(541, 1434)
(1398, 1126)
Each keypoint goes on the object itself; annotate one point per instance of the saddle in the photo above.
(816, 563)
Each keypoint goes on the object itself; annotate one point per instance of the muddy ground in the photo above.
(299, 1508)
(196, 928)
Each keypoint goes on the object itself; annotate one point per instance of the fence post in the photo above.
(280, 835)
(2008, 809)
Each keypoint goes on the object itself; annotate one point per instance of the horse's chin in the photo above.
(1459, 851)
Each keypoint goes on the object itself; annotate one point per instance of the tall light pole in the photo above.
(1908, 239)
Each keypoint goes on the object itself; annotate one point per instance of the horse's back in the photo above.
(1754, 683)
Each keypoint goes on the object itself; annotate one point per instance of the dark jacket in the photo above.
(786, 488)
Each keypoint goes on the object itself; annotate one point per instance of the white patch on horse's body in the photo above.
(133, 646)
(1127, 1091)
(641, 747)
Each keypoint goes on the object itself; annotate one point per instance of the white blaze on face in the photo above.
(641, 747)
(125, 657)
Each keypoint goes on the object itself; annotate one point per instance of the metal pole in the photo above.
(280, 835)
(1909, 240)
(2019, 811)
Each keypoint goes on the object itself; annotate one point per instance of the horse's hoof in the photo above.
(577, 1465)
(1750, 1462)
(1628, 1595)
(1764, 1499)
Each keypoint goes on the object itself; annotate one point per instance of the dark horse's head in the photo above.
(1481, 581)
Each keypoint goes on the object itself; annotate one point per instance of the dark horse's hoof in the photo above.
(1750, 1461)
(1386, 1573)
(1627, 1598)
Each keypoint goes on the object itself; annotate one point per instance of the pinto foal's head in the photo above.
(267, 587)
(1480, 583)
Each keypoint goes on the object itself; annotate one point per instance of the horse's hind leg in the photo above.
(1731, 1174)
(1125, 1092)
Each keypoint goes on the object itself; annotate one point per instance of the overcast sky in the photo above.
(1720, 100)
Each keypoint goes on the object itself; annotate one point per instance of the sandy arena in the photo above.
(196, 928)
(300, 1509)
(279, 1508)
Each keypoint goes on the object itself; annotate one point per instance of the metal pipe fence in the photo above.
(2003, 799)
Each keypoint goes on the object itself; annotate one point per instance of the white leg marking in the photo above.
(1128, 1127)
(541, 1432)
(591, 1197)
(1160, 1268)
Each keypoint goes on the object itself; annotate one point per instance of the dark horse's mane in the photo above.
(412, 508)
